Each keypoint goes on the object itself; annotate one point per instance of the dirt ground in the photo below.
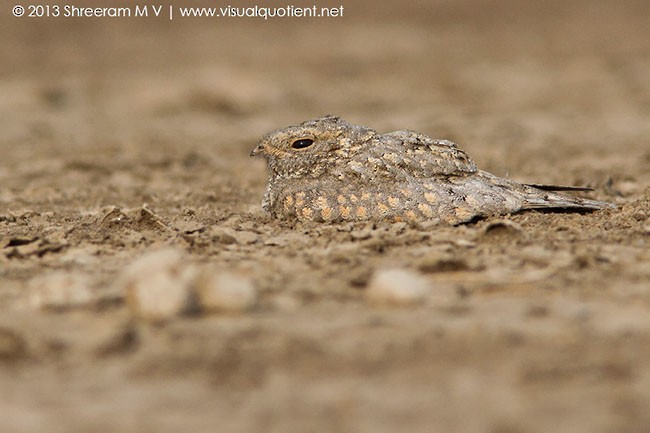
(122, 137)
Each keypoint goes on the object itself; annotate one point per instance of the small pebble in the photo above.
(397, 287)
(225, 291)
(159, 285)
(59, 291)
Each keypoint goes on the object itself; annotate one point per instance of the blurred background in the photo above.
(567, 80)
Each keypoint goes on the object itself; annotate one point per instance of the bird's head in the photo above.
(311, 148)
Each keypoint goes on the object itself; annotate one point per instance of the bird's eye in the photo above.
(301, 144)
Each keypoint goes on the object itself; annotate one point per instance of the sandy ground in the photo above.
(121, 138)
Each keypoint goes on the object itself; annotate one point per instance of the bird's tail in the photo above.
(545, 197)
(559, 187)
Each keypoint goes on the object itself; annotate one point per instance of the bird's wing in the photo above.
(412, 154)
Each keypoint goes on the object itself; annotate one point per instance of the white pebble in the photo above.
(60, 290)
(397, 287)
(159, 285)
(225, 291)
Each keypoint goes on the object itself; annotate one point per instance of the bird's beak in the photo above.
(259, 150)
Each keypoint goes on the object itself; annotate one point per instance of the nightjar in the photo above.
(329, 170)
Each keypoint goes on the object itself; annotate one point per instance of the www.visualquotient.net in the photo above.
(159, 11)
(288, 11)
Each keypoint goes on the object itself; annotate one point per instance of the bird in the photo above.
(328, 170)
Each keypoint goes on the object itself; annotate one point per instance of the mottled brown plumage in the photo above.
(329, 170)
